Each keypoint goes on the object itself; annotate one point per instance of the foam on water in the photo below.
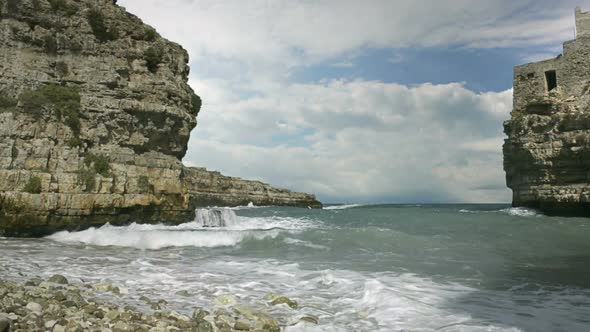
(215, 217)
(130, 236)
(515, 211)
(344, 300)
(488, 273)
(246, 207)
(342, 207)
(308, 244)
(198, 233)
(522, 212)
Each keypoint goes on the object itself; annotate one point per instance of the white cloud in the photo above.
(363, 140)
(288, 33)
(349, 139)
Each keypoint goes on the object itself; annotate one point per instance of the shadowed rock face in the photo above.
(95, 116)
(547, 153)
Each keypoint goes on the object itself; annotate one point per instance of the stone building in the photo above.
(547, 153)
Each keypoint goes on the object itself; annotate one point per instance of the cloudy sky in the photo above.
(398, 101)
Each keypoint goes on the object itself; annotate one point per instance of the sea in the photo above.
(354, 267)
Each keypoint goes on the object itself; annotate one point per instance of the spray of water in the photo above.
(215, 217)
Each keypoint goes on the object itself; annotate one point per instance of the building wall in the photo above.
(582, 23)
(529, 81)
(572, 71)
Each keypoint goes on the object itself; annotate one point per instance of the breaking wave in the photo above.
(342, 207)
(130, 236)
(215, 217)
(515, 211)
(249, 206)
(211, 228)
(522, 212)
(302, 243)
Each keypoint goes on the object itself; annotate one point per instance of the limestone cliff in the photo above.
(547, 153)
(95, 116)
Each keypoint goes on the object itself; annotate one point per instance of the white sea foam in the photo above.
(302, 243)
(344, 300)
(195, 234)
(522, 212)
(515, 211)
(249, 206)
(344, 290)
(342, 207)
(274, 222)
(215, 217)
(145, 238)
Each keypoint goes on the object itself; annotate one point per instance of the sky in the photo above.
(373, 101)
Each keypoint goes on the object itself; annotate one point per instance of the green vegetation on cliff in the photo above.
(13, 6)
(87, 178)
(33, 186)
(63, 6)
(143, 183)
(153, 57)
(101, 30)
(196, 103)
(99, 163)
(7, 103)
(62, 100)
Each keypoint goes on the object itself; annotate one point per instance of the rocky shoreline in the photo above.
(57, 305)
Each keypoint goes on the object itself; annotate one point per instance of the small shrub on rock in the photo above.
(62, 68)
(88, 179)
(75, 47)
(153, 57)
(149, 34)
(50, 45)
(143, 183)
(100, 163)
(63, 6)
(101, 31)
(63, 100)
(196, 103)
(75, 142)
(36, 5)
(33, 186)
(33, 103)
(62, 97)
(13, 6)
(72, 120)
(14, 152)
(7, 103)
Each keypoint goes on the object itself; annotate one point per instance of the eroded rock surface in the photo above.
(95, 116)
(547, 153)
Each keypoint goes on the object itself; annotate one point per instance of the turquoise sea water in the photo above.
(358, 268)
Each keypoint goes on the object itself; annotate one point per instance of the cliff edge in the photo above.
(547, 153)
(95, 117)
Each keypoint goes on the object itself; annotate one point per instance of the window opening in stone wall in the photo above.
(551, 80)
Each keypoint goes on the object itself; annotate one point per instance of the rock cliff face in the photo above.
(547, 153)
(95, 116)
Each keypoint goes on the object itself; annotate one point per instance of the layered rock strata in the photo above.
(547, 153)
(95, 117)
